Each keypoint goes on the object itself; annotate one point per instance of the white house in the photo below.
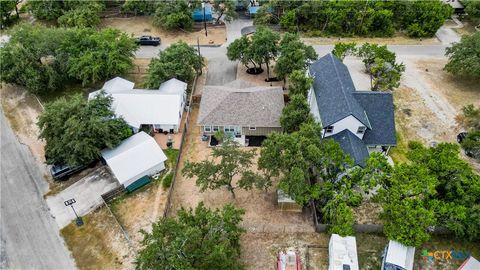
(342, 253)
(398, 256)
(135, 158)
(162, 109)
(360, 121)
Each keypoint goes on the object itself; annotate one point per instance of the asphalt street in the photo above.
(29, 236)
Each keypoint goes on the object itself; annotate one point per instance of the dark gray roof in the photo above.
(333, 89)
(380, 111)
(352, 145)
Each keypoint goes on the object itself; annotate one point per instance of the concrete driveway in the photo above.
(87, 194)
(221, 71)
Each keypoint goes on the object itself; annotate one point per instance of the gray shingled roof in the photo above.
(333, 89)
(352, 145)
(380, 111)
(254, 106)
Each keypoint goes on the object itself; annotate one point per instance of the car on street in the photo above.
(148, 40)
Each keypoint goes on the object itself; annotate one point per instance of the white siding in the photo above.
(351, 123)
(153, 170)
(312, 102)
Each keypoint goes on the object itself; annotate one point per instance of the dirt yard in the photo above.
(257, 79)
(397, 39)
(99, 243)
(142, 25)
(428, 101)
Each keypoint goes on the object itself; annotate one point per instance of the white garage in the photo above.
(134, 160)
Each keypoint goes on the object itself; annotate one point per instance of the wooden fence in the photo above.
(108, 196)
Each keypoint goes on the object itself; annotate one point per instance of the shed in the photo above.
(470, 264)
(342, 253)
(197, 14)
(285, 203)
(134, 159)
(399, 256)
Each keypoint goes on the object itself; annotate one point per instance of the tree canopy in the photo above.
(295, 113)
(69, 13)
(436, 188)
(42, 59)
(299, 83)
(376, 18)
(6, 9)
(76, 131)
(464, 57)
(201, 239)
(173, 15)
(341, 49)
(225, 9)
(380, 63)
(178, 61)
(227, 161)
(294, 55)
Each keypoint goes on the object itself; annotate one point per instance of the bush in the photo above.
(414, 30)
(167, 180)
(173, 14)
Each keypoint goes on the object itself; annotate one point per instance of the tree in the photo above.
(138, 7)
(76, 131)
(380, 63)
(464, 57)
(228, 161)
(69, 13)
(95, 55)
(264, 46)
(295, 113)
(341, 50)
(385, 76)
(294, 55)
(299, 83)
(240, 49)
(6, 9)
(197, 239)
(225, 7)
(178, 61)
(173, 14)
(472, 8)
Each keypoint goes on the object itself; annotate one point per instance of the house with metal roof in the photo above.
(342, 253)
(398, 257)
(161, 108)
(470, 264)
(241, 110)
(360, 121)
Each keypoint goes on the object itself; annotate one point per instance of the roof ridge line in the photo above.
(341, 84)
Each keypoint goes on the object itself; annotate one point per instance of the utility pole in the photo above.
(204, 19)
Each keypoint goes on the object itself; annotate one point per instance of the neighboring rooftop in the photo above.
(470, 264)
(133, 156)
(342, 253)
(140, 106)
(253, 106)
(333, 89)
(400, 255)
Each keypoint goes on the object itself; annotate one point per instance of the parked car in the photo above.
(148, 40)
(62, 171)
(288, 261)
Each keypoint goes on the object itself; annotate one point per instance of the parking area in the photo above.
(87, 194)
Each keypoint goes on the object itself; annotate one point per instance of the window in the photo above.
(229, 129)
(207, 128)
(361, 130)
(329, 129)
(215, 128)
(252, 128)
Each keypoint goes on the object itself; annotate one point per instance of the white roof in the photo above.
(470, 264)
(133, 156)
(400, 255)
(342, 251)
(139, 106)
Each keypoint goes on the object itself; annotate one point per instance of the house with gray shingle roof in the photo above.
(360, 121)
(240, 109)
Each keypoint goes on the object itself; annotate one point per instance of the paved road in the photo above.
(29, 236)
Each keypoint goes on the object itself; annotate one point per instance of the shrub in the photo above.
(167, 180)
